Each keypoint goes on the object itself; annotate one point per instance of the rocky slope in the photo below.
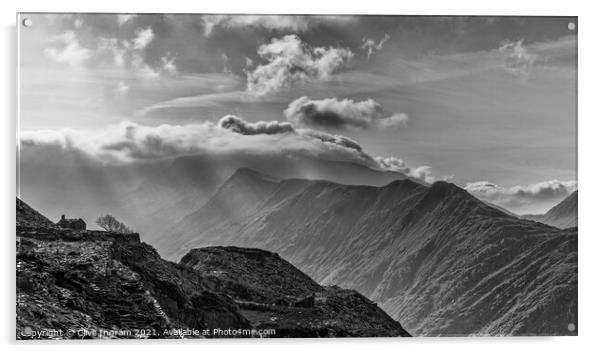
(273, 293)
(435, 258)
(563, 215)
(93, 284)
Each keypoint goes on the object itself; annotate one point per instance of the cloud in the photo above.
(140, 66)
(121, 89)
(269, 22)
(130, 142)
(78, 23)
(129, 54)
(168, 65)
(112, 52)
(397, 165)
(125, 18)
(372, 46)
(333, 139)
(341, 114)
(143, 38)
(238, 125)
(518, 59)
(516, 197)
(289, 60)
(353, 82)
(72, 52)
(243, 127)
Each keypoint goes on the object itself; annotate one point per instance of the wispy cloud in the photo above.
(71, 53)
(518, 60)
(372, 46)
(111, 52)
(125, 18)
(121, 89)
(270, 22)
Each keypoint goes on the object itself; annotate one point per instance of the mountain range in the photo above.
(434, 257)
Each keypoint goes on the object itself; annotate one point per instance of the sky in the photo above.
(488, 103)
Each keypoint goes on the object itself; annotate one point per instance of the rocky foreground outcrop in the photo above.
(93, 284)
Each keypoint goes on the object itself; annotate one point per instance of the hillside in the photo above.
(94, 284)
(563, 215)
(435, 258)
(27, 216)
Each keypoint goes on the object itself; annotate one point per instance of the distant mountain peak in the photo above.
(441, 191)
(446, 187)
(403, 183)
(563, 215)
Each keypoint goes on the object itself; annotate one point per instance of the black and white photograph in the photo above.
(244, 176)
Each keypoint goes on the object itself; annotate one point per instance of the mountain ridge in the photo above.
(399, 245)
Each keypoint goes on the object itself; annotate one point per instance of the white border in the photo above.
(590, 174)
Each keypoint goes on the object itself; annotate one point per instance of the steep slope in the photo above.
(273, 293)
(436, 258)
(27, 216)
(93, 284)
(563, 215)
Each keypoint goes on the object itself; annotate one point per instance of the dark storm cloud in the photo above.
(332, 113)
(243, 127)
(333, 139)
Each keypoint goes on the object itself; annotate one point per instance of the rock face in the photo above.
(273, 293)
(435, 258)
(93, 284)
(265, 276)
(563, 215)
